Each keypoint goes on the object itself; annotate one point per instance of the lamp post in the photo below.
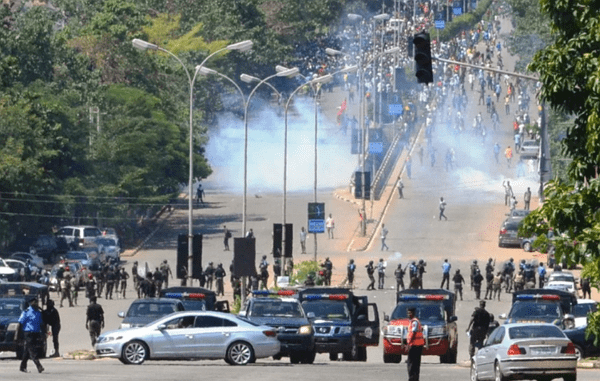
(239, 46)
(365, 137)
(319, 80)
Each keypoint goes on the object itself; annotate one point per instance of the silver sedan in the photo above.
(191, 334)
(525, 351)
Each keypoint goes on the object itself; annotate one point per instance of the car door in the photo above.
(486, 356)
(212, 335)
(175, 339)
(367, 323)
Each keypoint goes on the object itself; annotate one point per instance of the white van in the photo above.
(77, 236)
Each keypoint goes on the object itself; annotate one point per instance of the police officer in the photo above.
(413, 272)
(165, 270)
(474, 268)
(381, 274)
(446, 274)
(123, 276)
(370, 272)
(399, 274)
(51, 317)
(477, 280)
(420, 272)
(94, 319)
(134, 273)
(350, 272)
(480, 322)
(31, 323)
(489, 289)
(158, 279)
(310, 281)
(276, 269)
(458, 282)
(415, 343)
(209, 273)
(489, 267)
(264, 273)
(219, 275)
(507, 272)
(519, 281)
(328, 266)
(111, 278)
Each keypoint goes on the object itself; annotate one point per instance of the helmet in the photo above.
(421, 261)
(522, 261)
(512, 260)
(489, 260)
(352, 261)
(380, 259)
(399, 265)
(413, 263)
(264, 257)
(165, 261)
(370, 262)
(474, 261)
(210, 263)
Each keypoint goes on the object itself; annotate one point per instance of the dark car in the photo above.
(196, 298)
(144, 311)
(45, 246)
(509, 233)
(11, 336)
(583, 347)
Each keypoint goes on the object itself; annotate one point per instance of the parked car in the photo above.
(518, 213)
(530, 149)
(24, 257)
(191, 334)
(11, 334)
(80, 256)
(44, 246)
(583, 347)
(77, 236)
(7, 273)
(509, 233)
(144, 311)
(525, 351)
(565, 278)
(20, 269)
(75, 268)
(581, 311)
(109, 248)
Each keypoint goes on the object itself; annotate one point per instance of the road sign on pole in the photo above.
(316, 217)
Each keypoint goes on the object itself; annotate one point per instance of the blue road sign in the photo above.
(316, 226)
(440, 24)
(316, 217)
(395, 109)
(457, 11)
(375, 147)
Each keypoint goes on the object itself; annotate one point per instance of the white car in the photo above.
(562, 286)
(7, 273)
(562, 279)
(191, 334)
(34, 259)
(581, 311)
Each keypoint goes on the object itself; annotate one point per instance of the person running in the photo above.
(94, 320)
(442, 209)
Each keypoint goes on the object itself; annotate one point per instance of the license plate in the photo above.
(543, 350)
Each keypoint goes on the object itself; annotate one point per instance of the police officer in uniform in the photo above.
(474, 268)
(421, 271)
(458, 282)
(381, 274)
(31, 323)
(480, 322)
(51, 317)
(415, 343)
(328, 266)
(219, 275)
(446, 274)
(94, 319)
(209, 273)
(370, 272)
(399, 274)
(477, 280)
(350, 272)
(264, 273)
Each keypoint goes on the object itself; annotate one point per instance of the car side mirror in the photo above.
(161, 327)
(453, 319)
(502, 316)
(121, 314)
(386, 317)
(310, 315)
(242, 313)
(361, 317)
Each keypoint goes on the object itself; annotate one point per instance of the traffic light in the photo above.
(182, 256)
(277, 236)
(409, 46)
(197, 256)
(358, 177)
(424, 71)
(289, 241)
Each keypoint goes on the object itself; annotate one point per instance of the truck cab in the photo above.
(282, 311)
(343, 322)
(544, 306)
(435, 309)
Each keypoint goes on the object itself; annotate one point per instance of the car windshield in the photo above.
(194, 305)
(582, 310)
(424, 311)
(327, 309)
(535, 332)
(10, 308)
(76, 255)
(276, 308)
(150, 309)
(106, 242)
(531, 310)
(561, 278)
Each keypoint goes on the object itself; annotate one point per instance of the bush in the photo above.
(303, 269)
(463, 22)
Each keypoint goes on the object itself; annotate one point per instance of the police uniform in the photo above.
(480, 322)
(370, 272)
(415, 342)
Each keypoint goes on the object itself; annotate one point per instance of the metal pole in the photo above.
(317, 89)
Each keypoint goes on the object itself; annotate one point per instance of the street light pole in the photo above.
(240, 46)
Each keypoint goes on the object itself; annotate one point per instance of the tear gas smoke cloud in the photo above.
(225, 150)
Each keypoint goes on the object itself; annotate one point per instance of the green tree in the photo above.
(569, 71)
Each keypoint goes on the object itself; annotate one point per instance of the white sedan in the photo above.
(191, 334)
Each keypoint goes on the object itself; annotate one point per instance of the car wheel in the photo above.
(570, 377)
(579, 353)
(240, 353)
(474, 376)
(134, 353)
(308, 357)
(527, 247)
(333, 357)
(362, 354)
(451, 356)
(391, 358)
(295, 357)
(498, 376)
(352, 354)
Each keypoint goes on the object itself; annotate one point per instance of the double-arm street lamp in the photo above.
(239, 46)
(365, 137)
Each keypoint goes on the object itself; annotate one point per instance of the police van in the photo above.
(542, 306)
(343, 322)
(196, 298)
(435, 309)
(282, 311)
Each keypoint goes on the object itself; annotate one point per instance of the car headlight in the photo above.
(124, 326)
(107, 339)
(392, 330)
(305, 330)
(345, 330)
(437, 331)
